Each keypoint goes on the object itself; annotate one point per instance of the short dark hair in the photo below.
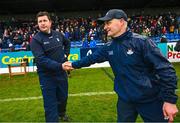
(43, 13)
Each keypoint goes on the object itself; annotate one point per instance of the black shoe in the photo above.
(64, 118)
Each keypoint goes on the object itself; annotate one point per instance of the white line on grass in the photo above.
(72, 95)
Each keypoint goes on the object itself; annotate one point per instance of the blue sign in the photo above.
(163, 48)
(12, 57)
(74, 54)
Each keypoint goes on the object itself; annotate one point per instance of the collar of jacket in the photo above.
(48, 34)
(124, 36)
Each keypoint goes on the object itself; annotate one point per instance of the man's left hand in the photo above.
(170, 110)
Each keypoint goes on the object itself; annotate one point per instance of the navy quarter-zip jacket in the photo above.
(49, 51)
(142, 73)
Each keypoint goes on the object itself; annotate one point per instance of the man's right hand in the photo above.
(67, 66)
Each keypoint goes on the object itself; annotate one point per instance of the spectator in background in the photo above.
(145, 81)
(85, 43)
(18, 39)
(1, 43)
(92, 43)
(163, 39)
(50, 49)
(171, 28)
(164, 30)
(77, 28)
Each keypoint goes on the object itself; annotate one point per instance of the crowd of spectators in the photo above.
(155, 25)
(17, 34)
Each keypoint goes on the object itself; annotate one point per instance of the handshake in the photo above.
(67, 66)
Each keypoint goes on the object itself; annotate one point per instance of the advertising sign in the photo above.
(74, 54)
(12, 57)
(172, 55)
(163, 48)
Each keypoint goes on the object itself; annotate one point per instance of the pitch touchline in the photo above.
(71, 95)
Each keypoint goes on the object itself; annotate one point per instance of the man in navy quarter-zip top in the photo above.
(50, 49)
(145, 81)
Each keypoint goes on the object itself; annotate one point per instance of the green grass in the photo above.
(97, 108)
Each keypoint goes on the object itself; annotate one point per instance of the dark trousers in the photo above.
(55, 96)
(150, 112)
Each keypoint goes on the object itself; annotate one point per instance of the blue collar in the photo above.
(48, 34)
(123, 36)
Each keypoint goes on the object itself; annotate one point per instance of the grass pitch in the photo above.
(94, 108)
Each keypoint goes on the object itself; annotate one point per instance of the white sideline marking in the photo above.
(71, 95)
(30, 69)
